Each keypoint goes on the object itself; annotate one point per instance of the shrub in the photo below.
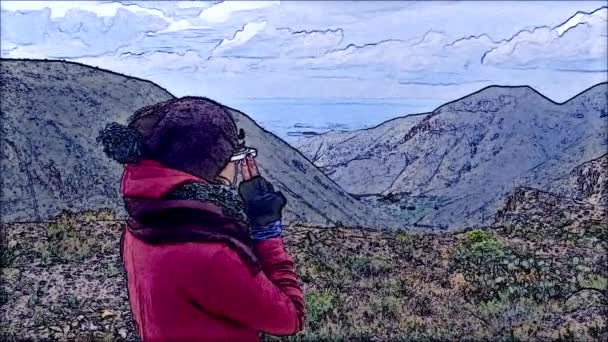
(479, 256)
(65, 243)
(319, 305)
(7, 256)
(477, 235)
(364, 267)
(403, 237)
(491, 268)
(595, 281)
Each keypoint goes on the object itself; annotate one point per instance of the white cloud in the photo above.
(317, 48)
(182, 25)
(36, 31)
(597, 17)
(146, 63)
(427, 54)
(47, 49)
(259, 40)
(192, 4)
(579, 43)
(59, 9)
(241, 37)
(220, 12)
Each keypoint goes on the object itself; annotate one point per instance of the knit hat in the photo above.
(191, 134)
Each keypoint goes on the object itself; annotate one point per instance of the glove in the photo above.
(262, 204)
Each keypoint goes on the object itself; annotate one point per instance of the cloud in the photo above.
(193, 4)
(318, 49)
(59, 9)
(240, 37)
(157, 61)
(220, 12)
(182, 25)
(37, 32)
(214, 14)
(578, 43)
(429, 54)
(597, 17)
(263, 41)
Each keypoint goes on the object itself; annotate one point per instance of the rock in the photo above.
(66, 329)
(107, 313)
(585, 299)
(80, 318)
(55, 328)
(122, 332)
(583, 268)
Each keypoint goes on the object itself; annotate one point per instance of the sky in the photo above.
(323, 62)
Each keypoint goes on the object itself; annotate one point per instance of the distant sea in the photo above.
(293, 119)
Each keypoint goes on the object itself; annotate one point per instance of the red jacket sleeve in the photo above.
(271, 301)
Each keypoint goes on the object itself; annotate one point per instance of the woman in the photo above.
(203, 262)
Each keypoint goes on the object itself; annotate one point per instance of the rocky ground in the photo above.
(64, 281)
(518, 281)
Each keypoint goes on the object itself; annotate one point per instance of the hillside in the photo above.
(51, 113)
(525, 279)
(459, 162)
(586, 182)
(346, 156)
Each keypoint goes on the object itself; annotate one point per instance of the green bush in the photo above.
(65, 243)
(479, 256)
(365, 267)
(493, 268)
(319, 305)
(477, 235)
(595, 281)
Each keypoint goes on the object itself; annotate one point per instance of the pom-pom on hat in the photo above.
(191, 134)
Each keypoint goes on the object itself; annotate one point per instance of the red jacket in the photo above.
(199, 291)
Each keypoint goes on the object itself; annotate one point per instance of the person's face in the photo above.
(229, 173)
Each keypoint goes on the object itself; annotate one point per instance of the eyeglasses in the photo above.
(242, 152)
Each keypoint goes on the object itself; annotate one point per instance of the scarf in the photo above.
(194, 212)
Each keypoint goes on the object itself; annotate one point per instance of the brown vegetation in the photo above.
(63, 280)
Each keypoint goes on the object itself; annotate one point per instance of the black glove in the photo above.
(262, 204)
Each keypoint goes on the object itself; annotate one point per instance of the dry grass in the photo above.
(59, 277)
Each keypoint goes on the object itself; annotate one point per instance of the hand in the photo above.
(262, 204)
(249, 168)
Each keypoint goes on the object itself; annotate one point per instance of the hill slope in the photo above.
(526, 280)
(51, 113)
(468, 154)
(586, 182)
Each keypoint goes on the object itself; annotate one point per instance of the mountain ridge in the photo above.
(493, 139)
(53, 109)
(497, 86)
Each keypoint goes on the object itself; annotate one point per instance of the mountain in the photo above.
(52, 111)
(587, 182)
(463, 159)
(525, 205)
(344, 155)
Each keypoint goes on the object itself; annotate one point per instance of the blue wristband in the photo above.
(268, 231)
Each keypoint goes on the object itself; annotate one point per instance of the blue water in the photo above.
(289, 118)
